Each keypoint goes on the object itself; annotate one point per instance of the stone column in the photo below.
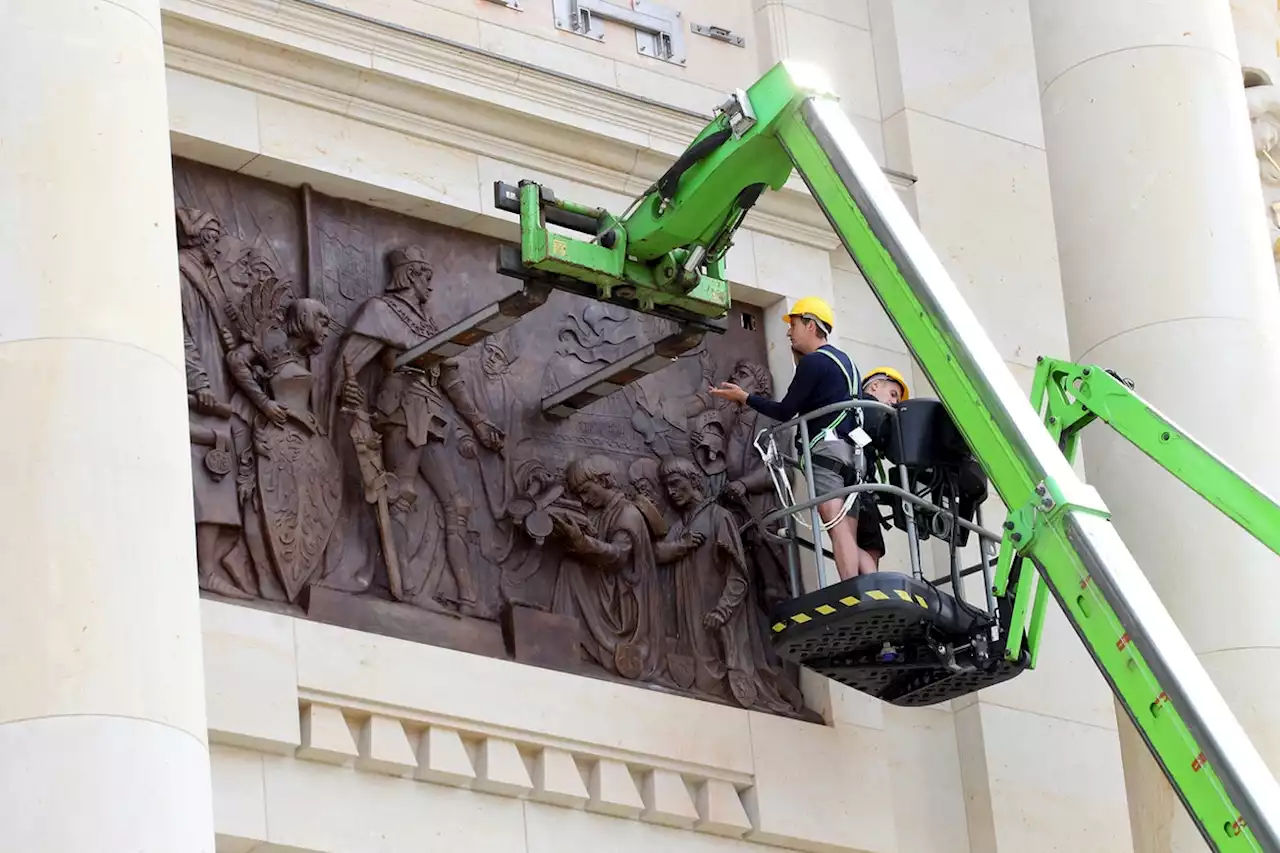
(1167, 278)
(102, 715)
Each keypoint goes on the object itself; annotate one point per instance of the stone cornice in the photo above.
(437, 719)
(418, 84)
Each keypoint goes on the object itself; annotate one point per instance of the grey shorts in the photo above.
(825, 480)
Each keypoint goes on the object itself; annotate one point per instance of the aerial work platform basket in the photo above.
(905, 639)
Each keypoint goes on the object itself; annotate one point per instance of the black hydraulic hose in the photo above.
(749, 196)
(746, 199)
(693, 154)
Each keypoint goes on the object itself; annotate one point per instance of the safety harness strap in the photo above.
(853, 395)
(849, 473)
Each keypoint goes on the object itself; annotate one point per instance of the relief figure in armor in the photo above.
(720, 647)
(219, 413)
(707, 446)
(413, 414)
(609, 578)
(748, 489)
(289, 482)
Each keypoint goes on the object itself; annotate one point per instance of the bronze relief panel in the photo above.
(440, 505)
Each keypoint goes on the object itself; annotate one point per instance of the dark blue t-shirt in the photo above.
(818, 382)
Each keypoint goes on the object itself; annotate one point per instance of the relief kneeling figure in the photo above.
(609, 580)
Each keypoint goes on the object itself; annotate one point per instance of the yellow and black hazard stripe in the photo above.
(823, 610)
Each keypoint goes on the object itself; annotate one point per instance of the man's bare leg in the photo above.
(844, 542)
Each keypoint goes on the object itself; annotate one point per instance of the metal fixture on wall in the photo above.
(659, 30)
(719, 34)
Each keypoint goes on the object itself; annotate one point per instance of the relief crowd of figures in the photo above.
(317, 463)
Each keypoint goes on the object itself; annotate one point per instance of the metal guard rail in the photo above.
(901, 492)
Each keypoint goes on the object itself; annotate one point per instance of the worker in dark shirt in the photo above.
(824, 376)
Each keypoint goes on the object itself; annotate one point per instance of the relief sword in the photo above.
(368, 445)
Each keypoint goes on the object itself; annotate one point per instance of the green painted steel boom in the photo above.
(665, 255)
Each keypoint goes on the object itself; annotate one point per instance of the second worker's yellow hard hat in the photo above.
(888, 373)
(814, 307)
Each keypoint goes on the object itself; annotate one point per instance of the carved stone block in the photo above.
(443, 758)
(326, 737)
(557, 779)
(392, 619)
(542, 638)
(385, 748)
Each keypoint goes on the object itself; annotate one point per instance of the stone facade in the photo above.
(397, 144)
(324, 137)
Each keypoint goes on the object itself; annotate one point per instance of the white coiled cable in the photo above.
(773, 460)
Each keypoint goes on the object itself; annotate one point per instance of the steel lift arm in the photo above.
(665, 256)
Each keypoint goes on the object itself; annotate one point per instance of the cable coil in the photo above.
(776, 464)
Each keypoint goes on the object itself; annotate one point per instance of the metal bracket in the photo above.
(719, 34)
(611, 378)
(741, 115)
(510, 4)
(470, 330)
(659, 30)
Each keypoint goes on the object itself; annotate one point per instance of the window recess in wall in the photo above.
(659, 30)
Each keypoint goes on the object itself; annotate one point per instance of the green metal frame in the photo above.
(760, 139)
(612, 268)
(1074, 395)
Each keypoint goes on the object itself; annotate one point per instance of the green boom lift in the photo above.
(898, 637)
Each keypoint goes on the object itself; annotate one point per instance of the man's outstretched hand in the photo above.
(729, 391)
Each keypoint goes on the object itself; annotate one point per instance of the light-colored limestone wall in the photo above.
(332, 741)
(526, 33)
(834, 35)
(329, 740)
(961, 113)
(374, 113)
(378, 115)
(1257, 29)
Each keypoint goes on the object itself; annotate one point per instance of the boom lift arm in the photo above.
(665, 256)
